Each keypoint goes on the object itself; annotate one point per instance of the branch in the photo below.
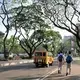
(22, 45)
(36, 46)
(66, 15)
(13, 41)
(78, 42)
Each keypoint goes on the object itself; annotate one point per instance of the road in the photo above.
(26, 71)
(75, 73)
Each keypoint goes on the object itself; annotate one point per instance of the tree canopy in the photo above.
(31, 24)
(64, 14)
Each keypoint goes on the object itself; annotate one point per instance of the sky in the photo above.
(63, 32)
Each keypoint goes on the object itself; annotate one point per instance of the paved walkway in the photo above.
(75, 75)
(14, 62)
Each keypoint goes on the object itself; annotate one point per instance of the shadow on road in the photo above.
(26, 66)
(17, 67)
(73, 78)
(24, 78)
(55, 77)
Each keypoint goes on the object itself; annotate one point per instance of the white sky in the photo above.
(62, 32)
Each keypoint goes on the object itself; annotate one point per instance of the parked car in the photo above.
(3, 58)
(11, 56)
(23, 55)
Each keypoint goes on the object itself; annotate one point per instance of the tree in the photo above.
(28, 19)
(5, 16)
(63, 14)
(52, 40)
(29, 44)
(16, 48)
(66, 45)
(46, 39)
(1, 40)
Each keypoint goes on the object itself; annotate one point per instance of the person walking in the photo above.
(60, 62)
(68, 63)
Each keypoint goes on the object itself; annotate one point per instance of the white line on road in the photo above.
(48, 74)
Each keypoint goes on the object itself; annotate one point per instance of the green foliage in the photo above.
(61, 13)
(50, 39)
(27, 17)
(38, 35)
(30, 18)
(1, 41)
(16, 47)
(1, 44)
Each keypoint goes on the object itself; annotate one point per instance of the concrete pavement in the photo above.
(75, 74)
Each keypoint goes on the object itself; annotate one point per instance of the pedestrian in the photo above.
(68, 62)
(60, 62)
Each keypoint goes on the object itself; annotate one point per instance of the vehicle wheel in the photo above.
(51, 64)
(36, 65)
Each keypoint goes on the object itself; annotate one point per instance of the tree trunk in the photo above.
(6, 53)
(30, 56)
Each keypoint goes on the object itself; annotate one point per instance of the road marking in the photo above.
(48, 74)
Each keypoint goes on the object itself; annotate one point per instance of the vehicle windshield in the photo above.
(38, 53)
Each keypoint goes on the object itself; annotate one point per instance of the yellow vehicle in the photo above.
(43, 58)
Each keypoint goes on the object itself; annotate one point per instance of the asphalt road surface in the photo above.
(26, 71)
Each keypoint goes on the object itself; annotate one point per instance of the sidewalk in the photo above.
(14, 62)
(75, 75)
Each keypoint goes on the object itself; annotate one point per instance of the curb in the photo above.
(15, 63)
